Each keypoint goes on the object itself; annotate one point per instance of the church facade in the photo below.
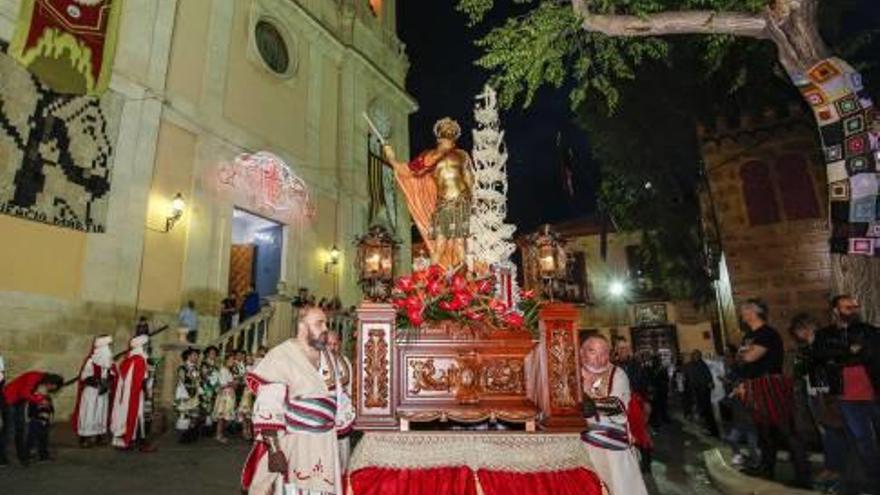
(248, 113)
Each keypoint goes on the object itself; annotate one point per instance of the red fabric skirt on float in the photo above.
(463, 481)
(471, 464)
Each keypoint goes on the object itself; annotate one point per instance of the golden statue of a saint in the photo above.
(438, 186)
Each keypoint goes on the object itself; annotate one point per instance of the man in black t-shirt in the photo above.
(769, 393)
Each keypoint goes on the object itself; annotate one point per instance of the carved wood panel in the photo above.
(376, 378)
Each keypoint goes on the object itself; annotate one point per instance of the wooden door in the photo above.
(241, 269)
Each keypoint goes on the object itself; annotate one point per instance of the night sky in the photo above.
(444, 81)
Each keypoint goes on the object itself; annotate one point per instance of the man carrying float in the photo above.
(295, 416)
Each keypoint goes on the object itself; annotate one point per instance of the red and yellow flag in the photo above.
(68, 44)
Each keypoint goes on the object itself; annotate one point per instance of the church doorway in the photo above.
(257, 254)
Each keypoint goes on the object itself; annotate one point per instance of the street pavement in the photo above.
(678, 467)
(208, 467)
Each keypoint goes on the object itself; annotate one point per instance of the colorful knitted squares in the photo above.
(863, 185)
(824, 71)
(814, 96)
(847, 106)
(861, 246)
(839, 191)
(854, 125)
(863, 209)
(826, 114)
(834, 153)
(832, 133)
(859, 165)
(836, 171)
(856, 145)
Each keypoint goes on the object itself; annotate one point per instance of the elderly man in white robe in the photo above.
(295, 416)
(609, 442)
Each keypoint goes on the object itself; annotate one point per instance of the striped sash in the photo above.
(311, 414)
(606, 435)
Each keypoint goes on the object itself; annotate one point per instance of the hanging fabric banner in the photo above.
(68, 44)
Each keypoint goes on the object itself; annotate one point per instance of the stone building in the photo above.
(615, 300)
(199, 88)
(765, 217)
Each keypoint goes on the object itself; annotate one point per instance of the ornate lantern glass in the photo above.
(548, 258)
(375, 262)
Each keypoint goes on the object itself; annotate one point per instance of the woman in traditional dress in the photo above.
(224, 406)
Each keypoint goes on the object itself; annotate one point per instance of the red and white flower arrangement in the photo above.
(433, 294)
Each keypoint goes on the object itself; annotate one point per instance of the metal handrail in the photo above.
(248, 335)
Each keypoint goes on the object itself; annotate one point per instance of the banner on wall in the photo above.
(56, 151)
(68, 44)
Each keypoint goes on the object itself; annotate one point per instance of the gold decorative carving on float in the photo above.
(376, 369)
(470, 415)
(563, 382)
(468, 377)
(504, 376)
(425, 377)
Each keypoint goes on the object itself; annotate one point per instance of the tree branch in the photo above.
(665, 23)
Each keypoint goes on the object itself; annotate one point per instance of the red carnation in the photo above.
(405, 284)
(527, 294)
(414, 303)
(462, 299)
(485, 286)
(514, 319)
(399, 303)
(497, 306)
(459, 283)
(473, 315)
(415, 317)
(435, 272)
(434, 287)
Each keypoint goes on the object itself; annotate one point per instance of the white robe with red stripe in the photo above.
(313, 460)
(127, 420)
(92, 412)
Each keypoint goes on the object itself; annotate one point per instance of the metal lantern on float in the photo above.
(375, 262)
(548, 258)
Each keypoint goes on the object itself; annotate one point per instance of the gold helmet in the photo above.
(447, 128)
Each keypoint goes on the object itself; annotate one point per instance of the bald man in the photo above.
(608, 438)
(295, 416)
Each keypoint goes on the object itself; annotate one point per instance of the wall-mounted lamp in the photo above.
(332, 259)
(177, 207)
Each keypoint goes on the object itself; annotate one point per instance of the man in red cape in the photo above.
(94, 393)
(127, 420)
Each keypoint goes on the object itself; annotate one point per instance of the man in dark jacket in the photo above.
(700, 383)
(850, 350)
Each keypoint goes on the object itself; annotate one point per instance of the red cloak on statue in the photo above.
(129, 397)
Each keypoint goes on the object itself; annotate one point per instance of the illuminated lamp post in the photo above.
(375, 262)
(548, 258)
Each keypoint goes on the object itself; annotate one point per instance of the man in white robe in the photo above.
(342, 386)
(97, 377)
(608, 439)
(294, 417)
(127, 419)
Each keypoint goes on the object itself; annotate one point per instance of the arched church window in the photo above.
(272, 47)
(760, 199)
(796, 188)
